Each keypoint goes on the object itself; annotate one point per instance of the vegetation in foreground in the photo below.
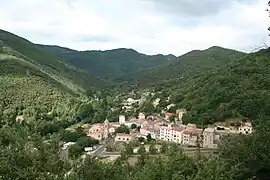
(26, 155)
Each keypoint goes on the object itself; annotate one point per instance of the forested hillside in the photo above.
(32, 81)
(109, 64)
(47, 63)
(240, 88)
(186, 65)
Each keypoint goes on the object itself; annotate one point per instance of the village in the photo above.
(159, 128)
(166, 127)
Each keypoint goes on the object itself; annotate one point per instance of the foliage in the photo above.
(109, 64)
(128, 149)
(186, 65)
(235, 90)
(75, 150)
(149, 137)
(122, 129)
(86, 111)
(142, 150)
(35, 58)
(133, 126)
(87, 142)
(69, 136)
(152, 149)
(24, 155)
(164, 148)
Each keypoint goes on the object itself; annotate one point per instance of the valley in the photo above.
(63, 112)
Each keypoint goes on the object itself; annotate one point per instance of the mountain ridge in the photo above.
(110, 63)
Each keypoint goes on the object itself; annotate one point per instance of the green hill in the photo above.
(240, 88)
(188, 64)
(30, 77)
(47, 63)
(109, 64)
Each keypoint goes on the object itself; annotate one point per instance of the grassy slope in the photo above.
(188, 64)
(239, 88)
(111, 63)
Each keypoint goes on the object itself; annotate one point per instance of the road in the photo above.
(102, 149)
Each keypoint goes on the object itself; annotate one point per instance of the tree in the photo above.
(80, 132)
(164, 148)
(149, 137)
(141, 139)
(148, 107)
(133, 126)
(129, 149)
(248, 154)
(86, 141)
(172, 118)
(152, 149)
(75, 150)
(122, 129)
(142, 150)
(69, 136)
(86, 111)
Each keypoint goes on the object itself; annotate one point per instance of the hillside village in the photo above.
(159, 128)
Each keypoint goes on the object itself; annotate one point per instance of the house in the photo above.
(246, 128)
(209, 138)
(156, 102)
(180, 113)
(19, 118)
(141, 116)
(169, 106)
(122, 137)
(186, 137)
(122, 119)
(169, 133)
(102, 131)
(67, 145)
(168, 115)
(96, 132)
(152, 131)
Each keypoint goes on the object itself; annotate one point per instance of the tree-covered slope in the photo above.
(110, 63)
(47, 63)
(31, 79)
(188, 64)
(240, 88)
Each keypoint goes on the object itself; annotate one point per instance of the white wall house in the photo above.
(122, 119)
(246, 128)
(141, 116)
(209, 138)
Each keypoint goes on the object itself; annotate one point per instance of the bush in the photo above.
(86, 142)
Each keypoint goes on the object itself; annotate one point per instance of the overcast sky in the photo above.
(148, 26)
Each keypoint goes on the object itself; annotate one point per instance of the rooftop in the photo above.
(209, 130)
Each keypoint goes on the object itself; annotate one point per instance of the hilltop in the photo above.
(186, 65)
(109, 64)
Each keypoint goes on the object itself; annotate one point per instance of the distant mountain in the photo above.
(29, 75)
(109, 64)
(188, 64)
(239, 88)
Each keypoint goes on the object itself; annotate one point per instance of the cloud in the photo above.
(189, 8)
(149, 26)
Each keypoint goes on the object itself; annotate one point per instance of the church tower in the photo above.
(106, 129)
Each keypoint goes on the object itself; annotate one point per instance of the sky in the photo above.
(148, 26)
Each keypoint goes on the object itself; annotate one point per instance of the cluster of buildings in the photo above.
(161, 129)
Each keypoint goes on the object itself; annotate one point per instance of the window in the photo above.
(127, 139)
